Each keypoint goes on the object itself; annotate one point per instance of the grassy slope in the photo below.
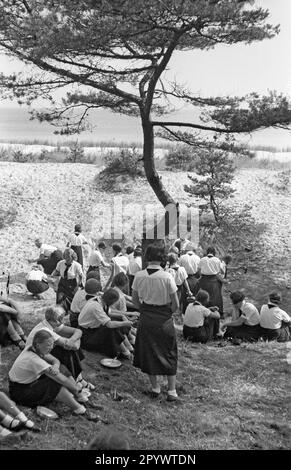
(233, 397)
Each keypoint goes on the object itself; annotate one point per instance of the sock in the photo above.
(173, 393)
(156, 389)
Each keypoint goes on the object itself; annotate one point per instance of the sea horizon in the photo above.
(16, 126)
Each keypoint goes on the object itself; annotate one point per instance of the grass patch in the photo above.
(232, 398)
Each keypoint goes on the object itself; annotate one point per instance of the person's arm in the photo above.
(110, 277)
(174, 302)
(135, 299)
(63, 380)
(14, 305)
(214, 314)
(11, 311)
(55, 273)
(239, 321)
(118, 324)
(70, 337)
(186, 285)
(54, 362)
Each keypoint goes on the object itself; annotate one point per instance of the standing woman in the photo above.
(71, 277)
(154, 293)
(76, 240)
(211, 269)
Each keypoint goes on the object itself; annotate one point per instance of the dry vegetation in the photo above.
(232, 397)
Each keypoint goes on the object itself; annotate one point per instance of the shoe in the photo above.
(81, 410)
(82, 397)
(173, 399)
(86, 385)
(151, 394)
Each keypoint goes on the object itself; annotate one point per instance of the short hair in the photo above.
(211, 251)
(177, 244)
(109, 439)
(93, 275)
(102, 245)
(92, 287)
(78, 228)
(155, 253)
(190, 247)
(110, 296)
(137, 252)
(275, 297)
(202, 297)
(117, 248)
(172, 258)
(51, 314)
(227, 259)
(119, 280)
(41, 336)
(173, 249)
(38, 241)
(69, 252)
(129, 250)
(237, 297)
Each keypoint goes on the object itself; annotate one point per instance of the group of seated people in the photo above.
(104, 320)
(201, 323)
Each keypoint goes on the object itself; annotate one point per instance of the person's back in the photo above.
(271, 317)
(190, 262)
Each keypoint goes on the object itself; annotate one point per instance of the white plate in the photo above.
(46, 413)
(112, 363)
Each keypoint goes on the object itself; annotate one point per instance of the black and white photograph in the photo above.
(145, 230)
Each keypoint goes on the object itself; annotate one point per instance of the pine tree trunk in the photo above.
(156, 183)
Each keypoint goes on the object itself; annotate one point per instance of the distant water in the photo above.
(16, 125)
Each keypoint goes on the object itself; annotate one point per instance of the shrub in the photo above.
(182, 157)
(20, 157)
(7, 216)
(76, 153)
(120, 168)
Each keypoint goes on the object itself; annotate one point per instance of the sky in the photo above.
(228, 70)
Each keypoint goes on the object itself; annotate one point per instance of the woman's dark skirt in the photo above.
(204, 333)
(50, 264)
(79, 252)
(41, 392)
(70, 359)
(245, 332)
(104, 340)
(66, 291)
(213, 286)
(282, 335)
(37, 287)
(155, 351)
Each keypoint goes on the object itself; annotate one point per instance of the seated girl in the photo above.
(79, 299)
(66, 342)
(10, 328)
(12, 418)
(275, 322)
(201, 324)
(120, 284)
(37, 378)
(100, 333)
(246, 320)
(36, 280)
(180, 277)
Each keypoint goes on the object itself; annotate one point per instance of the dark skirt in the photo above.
(50, 264)
(41, 392)
(130, 282)
(213, 286)
(104, 340)
(245, 332)
(79, 252)
(4, 320)
(282, 335)
(70, 359)
(96, 270)
(192, 280)
(155, 351)
(66, 291)
(204, 333)
(74, 319)
(37, 287)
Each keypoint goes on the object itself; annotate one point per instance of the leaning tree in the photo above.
(114, 54)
